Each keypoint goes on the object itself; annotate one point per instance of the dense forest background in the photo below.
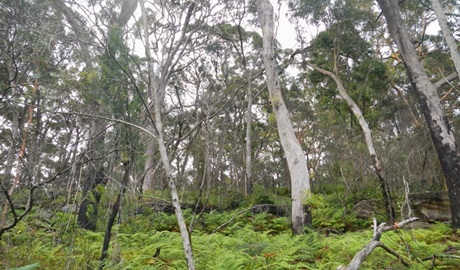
(143, 121)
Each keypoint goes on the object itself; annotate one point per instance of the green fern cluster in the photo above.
(249, 241)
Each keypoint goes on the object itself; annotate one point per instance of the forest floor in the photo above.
(248, 241)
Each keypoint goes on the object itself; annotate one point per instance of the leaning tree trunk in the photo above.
(298, 170)
(387, 200)
(158, 123)
(447, 33)
(440, 130)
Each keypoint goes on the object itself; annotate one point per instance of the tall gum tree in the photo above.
(385, 189)
(297, 164)
(158, 105)
(440, 130)
(447, 34)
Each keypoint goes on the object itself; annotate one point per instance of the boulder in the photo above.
(366, 208)
(430, 206)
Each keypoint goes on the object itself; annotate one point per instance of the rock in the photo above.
(430, 206)
(69, 208)
(366, 208)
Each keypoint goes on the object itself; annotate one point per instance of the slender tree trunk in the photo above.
(447, 33)
(148, 183)
(297, 164)
(439, 127)
(172, 186)
(114, 209)
(157, 106)
(248, 156)
(388, 202)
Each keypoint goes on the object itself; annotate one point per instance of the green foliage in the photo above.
(249, 242)
(330, 216)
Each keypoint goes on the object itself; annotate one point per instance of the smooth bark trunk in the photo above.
(295, 157)
(248, 155)
(439, 127)
(447, 34)
(386, 193)
(158, 97)
(148, 182)
(359, 258)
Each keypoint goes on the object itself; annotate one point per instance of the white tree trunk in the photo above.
(300, 181)
(157, 102)
(148, 182)
(248, 159)
(447, 33)
(368, 138)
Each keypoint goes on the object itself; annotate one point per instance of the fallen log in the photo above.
(375, 242)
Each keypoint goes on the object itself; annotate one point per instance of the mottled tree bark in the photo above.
(438, 124)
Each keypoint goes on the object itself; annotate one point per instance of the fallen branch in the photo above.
(434, 257)
(375, 242)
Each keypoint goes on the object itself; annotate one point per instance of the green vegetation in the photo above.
(231, 239)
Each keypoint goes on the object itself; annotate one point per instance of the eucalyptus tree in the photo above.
(98, 80)
(38, 145)
(342, 53)
(171, 38)
(447, 34)
(176, 35)
(441, 132)
(300, 182)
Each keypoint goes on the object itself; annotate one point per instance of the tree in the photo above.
(386, 194)
(441, 132)
(37, 153)
(447, 33)
(300, 182)
(158, 104)
(344, 54)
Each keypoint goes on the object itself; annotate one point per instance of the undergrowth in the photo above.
(235, 238)
(249, 241)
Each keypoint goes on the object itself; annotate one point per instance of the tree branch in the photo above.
(374, 243)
